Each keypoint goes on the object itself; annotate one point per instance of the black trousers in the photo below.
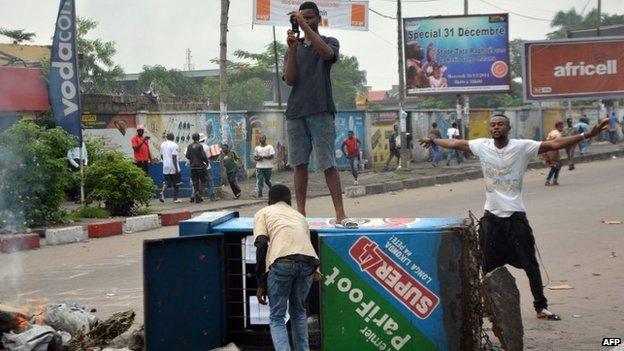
(199, 178)
(510, 241)
(231, 177)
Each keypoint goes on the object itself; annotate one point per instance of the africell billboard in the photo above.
(568, 69)
(456, 54)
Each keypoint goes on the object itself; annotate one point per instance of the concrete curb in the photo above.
(173, 218)
(18, 242)
(67, 235)
(104, 229)
(141, 223)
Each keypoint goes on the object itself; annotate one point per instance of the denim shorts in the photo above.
(316, 132)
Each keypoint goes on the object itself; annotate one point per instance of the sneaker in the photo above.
(355, 182)
(177, 201)
(199, 199)
(555, 183)
(547, 315)
(570, 167)
(192, 199)
(547, 183)
(237, 195)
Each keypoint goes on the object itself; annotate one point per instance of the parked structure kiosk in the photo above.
(392, 284)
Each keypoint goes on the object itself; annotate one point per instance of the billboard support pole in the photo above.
(465, 100)
(405, 149)
(277, 79)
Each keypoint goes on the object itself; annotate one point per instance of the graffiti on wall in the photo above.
(236, 129)
(113, 130)
(270, 124)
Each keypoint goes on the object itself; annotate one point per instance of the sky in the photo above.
(160, 31)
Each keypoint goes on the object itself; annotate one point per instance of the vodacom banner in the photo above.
(569, 69)
(335, 14)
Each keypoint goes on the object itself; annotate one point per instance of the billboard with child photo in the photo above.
(456, 54)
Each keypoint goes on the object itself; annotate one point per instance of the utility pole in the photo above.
(598, 19)
(404, 150)
(225, 7)
(277, 77)
(463, 102)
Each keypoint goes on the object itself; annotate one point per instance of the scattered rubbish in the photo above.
(110, 295)
(612, 255)
(561, 287)
(93, 310)
(576, 316)
(35, 338)
(69, 317)
(577, 265)
(67, 327)
(596, 274)
(613, 156)
(438, 185)
(606, 221)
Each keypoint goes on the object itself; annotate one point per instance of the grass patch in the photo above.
(144, 210)
(88, 212)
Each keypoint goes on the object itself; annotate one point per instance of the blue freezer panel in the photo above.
(183, 293)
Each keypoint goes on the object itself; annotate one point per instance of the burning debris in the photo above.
(66, 327)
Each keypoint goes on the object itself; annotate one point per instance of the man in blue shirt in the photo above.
(613, 124)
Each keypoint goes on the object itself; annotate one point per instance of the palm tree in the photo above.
(18, 35)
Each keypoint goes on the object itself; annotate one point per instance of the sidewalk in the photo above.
(367, 179)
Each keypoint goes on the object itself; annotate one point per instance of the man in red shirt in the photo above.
(351, 148)
(140, 145)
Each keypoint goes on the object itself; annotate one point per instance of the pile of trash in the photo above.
(66, 327)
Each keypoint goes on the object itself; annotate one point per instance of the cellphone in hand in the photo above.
(294, 24)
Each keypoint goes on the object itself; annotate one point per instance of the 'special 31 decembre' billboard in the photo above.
(456, 54)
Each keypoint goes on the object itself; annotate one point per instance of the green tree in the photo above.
(98, 72)
(18, 36)
(168, 82)
(347, 79)
(570, 20)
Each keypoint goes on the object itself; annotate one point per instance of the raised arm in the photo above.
(290, 67)
(563, 142)
(457, 144)
(325, 51)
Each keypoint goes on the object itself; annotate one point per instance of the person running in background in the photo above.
(569, 131)
(264, 155)
(552, 158)
(394, 146)
(351, 148)
(230, 160)
(434, 132)
(453, 133)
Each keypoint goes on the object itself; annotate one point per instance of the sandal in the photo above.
(347, 223)
(547, 315)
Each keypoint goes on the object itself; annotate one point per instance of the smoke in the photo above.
(11, 222)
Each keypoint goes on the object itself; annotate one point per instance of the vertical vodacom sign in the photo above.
(64, 87)
(569, 69)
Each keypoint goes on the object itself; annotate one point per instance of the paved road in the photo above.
(576, 249)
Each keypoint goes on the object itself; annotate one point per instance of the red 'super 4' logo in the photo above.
(403, 286)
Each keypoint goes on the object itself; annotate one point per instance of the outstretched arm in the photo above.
(560, 143)
(457, 144)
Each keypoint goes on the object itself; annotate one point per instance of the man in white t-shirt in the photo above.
(169, 153)
(504, 232)
(264, 155)
(453, 133)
